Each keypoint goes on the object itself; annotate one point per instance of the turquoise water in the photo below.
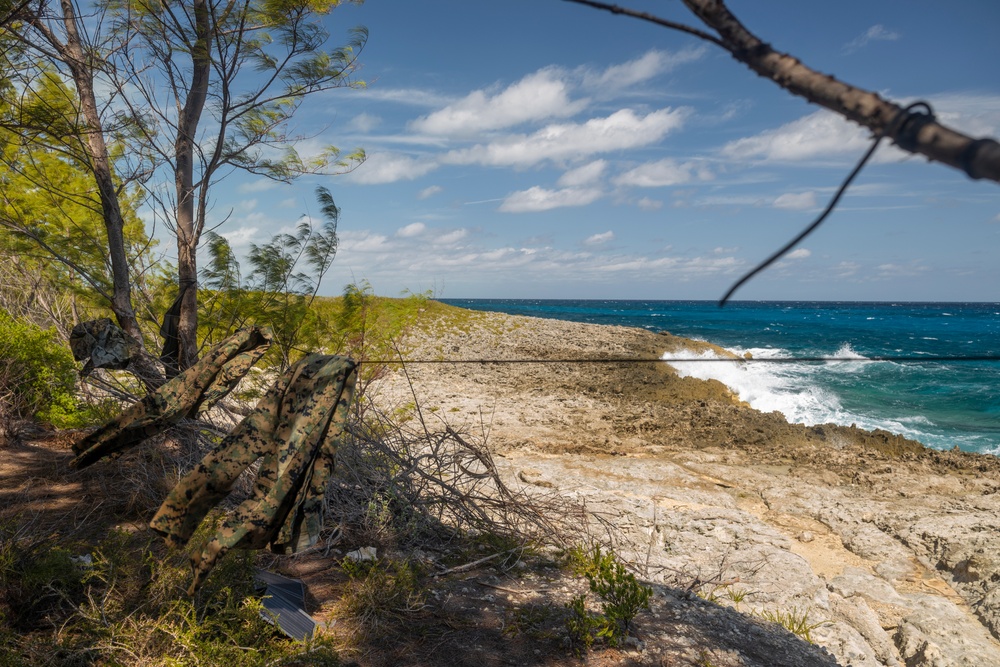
(942, 404)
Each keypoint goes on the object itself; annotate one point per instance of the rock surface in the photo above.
(885, 552)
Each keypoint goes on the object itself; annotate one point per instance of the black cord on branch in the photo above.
(905, 118)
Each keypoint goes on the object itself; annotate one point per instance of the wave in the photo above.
(796, 390)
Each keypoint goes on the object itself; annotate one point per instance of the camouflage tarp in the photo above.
(100, 344)
(197, 388)
(295, 428)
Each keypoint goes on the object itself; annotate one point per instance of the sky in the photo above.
(543, 149)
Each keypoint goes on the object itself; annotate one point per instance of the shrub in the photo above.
(380, 590)
(622, 598)
(37, 374)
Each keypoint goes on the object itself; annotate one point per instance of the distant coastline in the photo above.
(939, 404)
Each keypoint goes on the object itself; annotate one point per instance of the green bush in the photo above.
(621, 596)
(381, 590)
(37, 374)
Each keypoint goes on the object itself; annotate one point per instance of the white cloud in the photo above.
(799, 253)
(389, 168)
(622, 129)
(796, 201)
(538, 96)
(363, 241)
(242, 237)
(585, 175)
(647, 204)
(429, 192)
(876, 33)
(847, 269)
(641, 69)
(396, 259)
(977, 114)
(891, 270)
(411, 230)
(452, 237)
(600, 239)
(418, 97)
(664, 173)
(364, 122)
(539, 199)
(818, 135)
(258, 185)
(685, 268)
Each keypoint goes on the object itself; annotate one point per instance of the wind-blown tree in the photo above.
(38, 41)
(276, 292)
(220, 83)
(189, 91)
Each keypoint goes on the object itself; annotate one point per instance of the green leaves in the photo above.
(277, 294)
(622, 598)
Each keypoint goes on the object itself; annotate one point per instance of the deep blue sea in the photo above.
(942, 404)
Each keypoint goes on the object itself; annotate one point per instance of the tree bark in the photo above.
(918, 133)
(100, 164)
(82, 72)
(184, 146)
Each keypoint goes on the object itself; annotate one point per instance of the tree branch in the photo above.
(914, 132)
(645, 16)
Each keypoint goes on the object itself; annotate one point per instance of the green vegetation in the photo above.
(798, 623)
(37, 375)
(621, 597)
(380, 590)
(127, 606)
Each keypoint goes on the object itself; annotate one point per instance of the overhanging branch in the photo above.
(917, 133)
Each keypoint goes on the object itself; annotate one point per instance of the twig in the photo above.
(469, 566)
(513, 590)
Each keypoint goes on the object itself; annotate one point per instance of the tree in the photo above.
(41, 42)
(912, 131)
(276, 293)
(234, 73)
(249, 65)
(49, 209)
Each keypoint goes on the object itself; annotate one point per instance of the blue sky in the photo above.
(541, 149)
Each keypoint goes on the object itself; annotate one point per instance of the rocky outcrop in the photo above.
(883, 552)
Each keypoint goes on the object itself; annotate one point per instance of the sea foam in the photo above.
(792, 388)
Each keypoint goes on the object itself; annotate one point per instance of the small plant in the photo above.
(380, 590)
(582, 626)
(621, 596)
(530, 620)
(716, 593)
(122, 601)
(794, 621)
(37, 375)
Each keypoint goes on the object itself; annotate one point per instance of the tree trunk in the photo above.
(96, 149)
(187, 229)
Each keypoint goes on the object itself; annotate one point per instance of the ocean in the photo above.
(942, 404)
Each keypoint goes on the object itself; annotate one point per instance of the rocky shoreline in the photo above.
(889, 551)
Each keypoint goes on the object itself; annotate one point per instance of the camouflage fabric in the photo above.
(195, 389)
(100, 344)
(295, 429)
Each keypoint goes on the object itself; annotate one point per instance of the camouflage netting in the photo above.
(194, 390)
(294, 430)
(100, 344)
